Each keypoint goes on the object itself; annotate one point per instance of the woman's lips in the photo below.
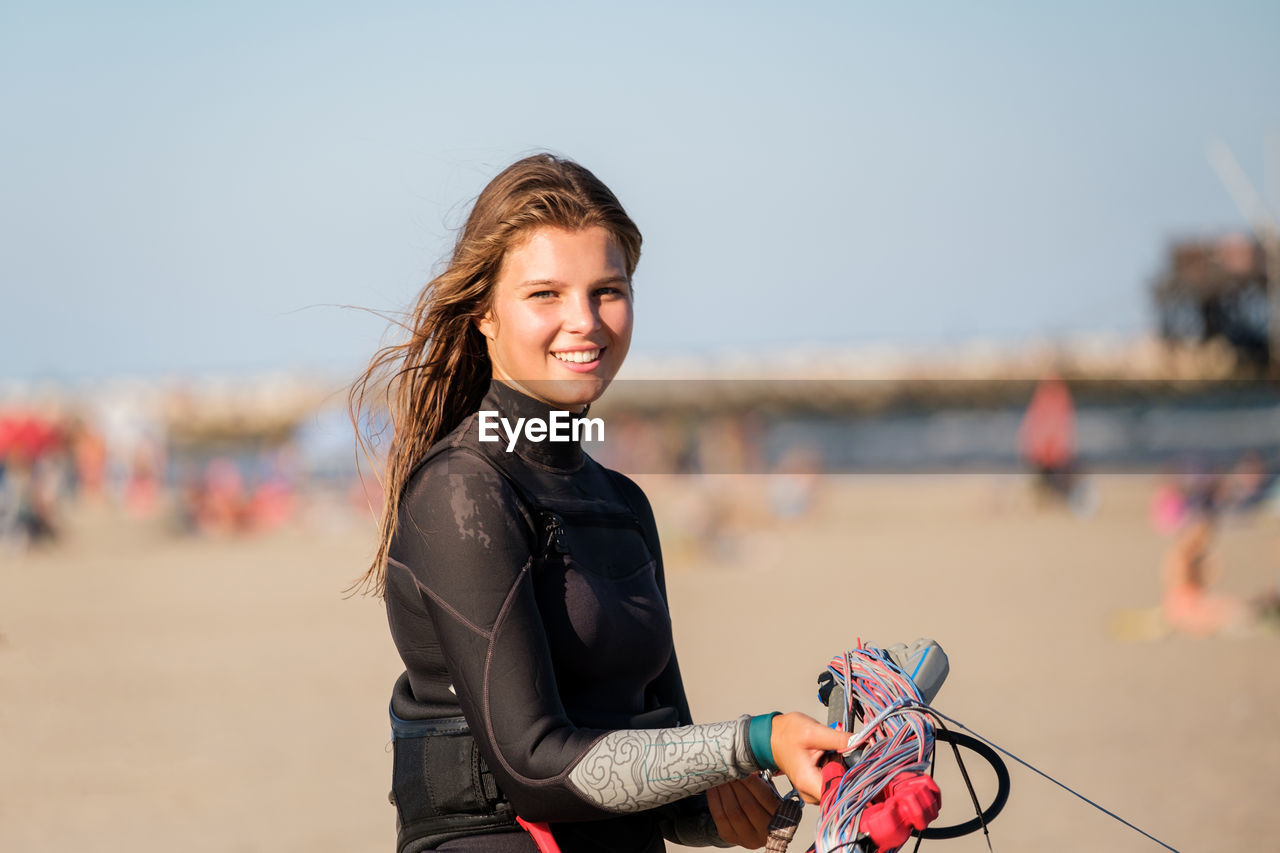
(580, 361)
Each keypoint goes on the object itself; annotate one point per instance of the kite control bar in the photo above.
(879, 791)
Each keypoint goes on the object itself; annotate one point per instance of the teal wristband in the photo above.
(759, 735)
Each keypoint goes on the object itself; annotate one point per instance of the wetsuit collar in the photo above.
(511, 404)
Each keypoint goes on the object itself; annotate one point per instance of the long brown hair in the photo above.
(438, 376)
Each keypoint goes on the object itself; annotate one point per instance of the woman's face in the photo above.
(560, 322)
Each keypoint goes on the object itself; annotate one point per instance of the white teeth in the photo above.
(579, 357)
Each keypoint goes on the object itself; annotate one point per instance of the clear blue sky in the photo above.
(179, 182)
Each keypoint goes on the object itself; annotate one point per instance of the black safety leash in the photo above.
(982, 816)
(1041, 773)
(973, 796)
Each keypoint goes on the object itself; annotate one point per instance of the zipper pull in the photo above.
(555, 534)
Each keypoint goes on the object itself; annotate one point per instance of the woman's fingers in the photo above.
(742, 811)
(762, 793)
(757, 802)
(798, 742)
(727, 824)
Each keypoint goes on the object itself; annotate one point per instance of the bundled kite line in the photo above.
(897, 736)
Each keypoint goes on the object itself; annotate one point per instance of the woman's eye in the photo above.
(542, 294)
(610, 291)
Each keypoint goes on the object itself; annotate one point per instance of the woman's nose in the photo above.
(581, 315)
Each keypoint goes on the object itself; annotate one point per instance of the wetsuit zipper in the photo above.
(599, 519)
(553, 525)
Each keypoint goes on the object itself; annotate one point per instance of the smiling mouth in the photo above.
(585, 356)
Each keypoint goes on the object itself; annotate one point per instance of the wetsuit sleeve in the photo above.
(466, 539)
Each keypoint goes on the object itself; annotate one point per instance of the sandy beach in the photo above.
(160, 693)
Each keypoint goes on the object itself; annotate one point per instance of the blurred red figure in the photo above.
(31, 447)
(1048, 435)
(142, 489)
(27, 436)
(223, 504)
(272, 504)
(89, 452)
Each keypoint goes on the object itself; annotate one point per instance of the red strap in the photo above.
(541, 835)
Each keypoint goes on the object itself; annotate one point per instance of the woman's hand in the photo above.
(742, 810)
(798, 742)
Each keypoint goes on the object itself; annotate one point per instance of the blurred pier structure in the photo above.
(1221, 289)
(241, 455)
(1142, 405)
(1236, 284)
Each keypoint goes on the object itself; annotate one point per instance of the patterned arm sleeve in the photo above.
(631, 770)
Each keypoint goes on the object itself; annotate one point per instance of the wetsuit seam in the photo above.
(488, 715)
(444, 605)
(462, 430)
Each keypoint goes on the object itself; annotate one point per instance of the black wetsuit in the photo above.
(525, 592)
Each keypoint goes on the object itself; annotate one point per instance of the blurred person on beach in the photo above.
(796, 479)
(220, 501)
(1047, 439)
(1247, 486)
(1190, 568)
(33, 478)
(88, 453)
(1199, 491)
(542, 707)
(143, 487)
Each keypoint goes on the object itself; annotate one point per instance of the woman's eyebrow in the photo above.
(551, 282)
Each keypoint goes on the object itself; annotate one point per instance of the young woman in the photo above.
(523, 581)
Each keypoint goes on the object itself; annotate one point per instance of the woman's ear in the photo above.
(487, 325)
